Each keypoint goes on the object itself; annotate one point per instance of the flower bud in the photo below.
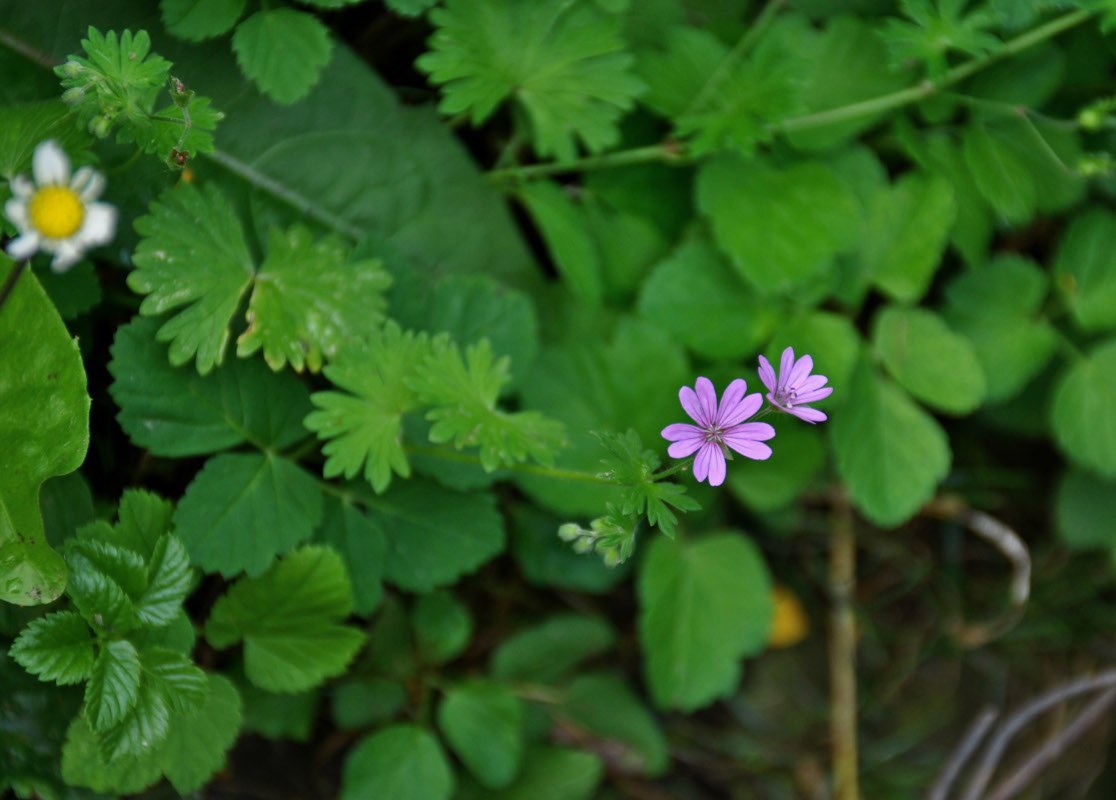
(73, 95)
(71, 69)
(100, 126)
(569, 531)
(1090, 119)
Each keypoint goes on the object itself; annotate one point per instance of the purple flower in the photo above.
(795, 386)
(717, 427)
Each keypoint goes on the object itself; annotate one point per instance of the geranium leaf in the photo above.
(283, 51)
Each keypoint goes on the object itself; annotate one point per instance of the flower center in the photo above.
(56, 212)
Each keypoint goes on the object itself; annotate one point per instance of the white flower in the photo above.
(56, 213)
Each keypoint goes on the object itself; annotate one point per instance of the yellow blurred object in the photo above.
(187, 175)
(790, 625)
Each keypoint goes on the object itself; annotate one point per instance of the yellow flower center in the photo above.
(56, 212)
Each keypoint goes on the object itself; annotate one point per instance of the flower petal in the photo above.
(717, 467)
(767, 374)
(802, 368)
(23, 246)
(786, 363)
(757, 431)
(98, 226)
(88, 183)
(678, 431)
(810, 415)
(16, 210)
(66, 254)
(707, 397)
(750, 449)
(22, 187)
(50, 165)
(731, 398)
(811, 383)
(685, 447)
(703, 460)
(744, 409)
(814, 396)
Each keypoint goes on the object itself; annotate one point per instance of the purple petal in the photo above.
(767, 374)
(681, 430)
(811, 383)
(811, 415)
(786, 364)
(702, 460)
(707, 397)
(716, 467)
(685, 447)
(744, 409)
(813, 397)
(757, 431)
(729, 401)
(802, 368)
(748, 447)
(690, 403)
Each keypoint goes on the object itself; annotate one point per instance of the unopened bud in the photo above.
(73, 96)
(100, 126)
(71, 69)
(179, 94)
(1090, 119)
(569, 531)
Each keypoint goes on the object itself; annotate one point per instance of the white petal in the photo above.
(98, 226)
(50, 164)
(16, 210)
(22, 187)
(23, 246)
(88, 183)
(67, 253)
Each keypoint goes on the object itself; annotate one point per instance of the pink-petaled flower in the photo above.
(718, 426)
(795, 386)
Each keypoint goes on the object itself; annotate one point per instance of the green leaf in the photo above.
(435, 535)
(1084, 270)
(283, 52)
(45, 425)
(554, 773)
(906, 234)
(779, 226)
(676, 72)
(74, 292)
(84, 764)
(23, 126)
(308, 298)
(545, 560)
(168, 582)
(563, 228)
(483, 723)
(243, 509)
(57, 647)
(566, 65)
(366, 702)
(143, 728)
(113, 687)
(550, 650)
(99, 597)
(410, 8)
(703, 606)
(1084, 411)
(196, 745)
(694, 295)
(1000, 173)
(361, 544)
(929, 360)
(997, 308)
(279, 716)
(290, 621)
(143, 519)
(937, 28)
(402, 762)
(123, 566)
(365, 427)
(831, 339)
(174, 677)
(464, 393)
(890, 454)
(195, 20)
(442, 626)
(193, 253)
(776, 483)
(1084, 509)
(66, 504)
(606, 706)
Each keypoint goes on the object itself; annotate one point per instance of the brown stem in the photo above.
(842, 654)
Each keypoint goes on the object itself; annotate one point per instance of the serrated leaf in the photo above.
(142, 730)
(366, 429)
(563, 228)
(174, 677)
(143, 518)
(483, 723)
(1084, 410)
(632, 467)
(606, 706)
(703, 605)
(1084, 270)
(403, 762)
(906, 233)
(779, 226)
(997, 308)
(74, 292)
(57, 647)
(464, 393)
(360, 542)
(113, 687)
(168, 583)
(101, 600)
(435, 535)
(929, 360)
(174, 411)
(290, 621)
(243, 509)
(195, 20)
(195, 747)
(44, 425)
(694, 294)
(308, 298)
(193, 253)
(890, 454)
(442, 626)
(84, 764)
(566, 65)
(24, 125)
(546, 652)
(283, 51)
(937, 28)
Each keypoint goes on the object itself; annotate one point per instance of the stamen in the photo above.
(56, 212)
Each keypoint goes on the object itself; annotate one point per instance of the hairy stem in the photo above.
(842, 653)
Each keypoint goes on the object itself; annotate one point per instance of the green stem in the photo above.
(531, 469)
(658, 476)
(668, 152)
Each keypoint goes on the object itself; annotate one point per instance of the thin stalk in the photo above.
(842, 654)
(666, 152)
